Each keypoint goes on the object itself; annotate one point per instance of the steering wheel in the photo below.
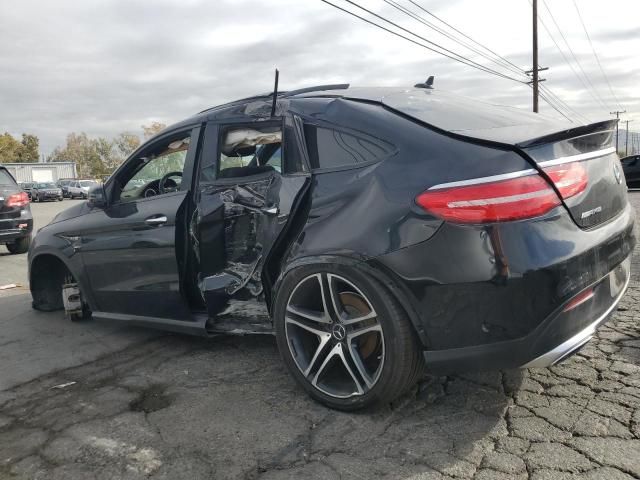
(164, 179)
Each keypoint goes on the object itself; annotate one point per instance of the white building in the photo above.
(41, 172)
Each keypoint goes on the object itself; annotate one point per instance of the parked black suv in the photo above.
(631, 168)
(376, 232)
(16, 222)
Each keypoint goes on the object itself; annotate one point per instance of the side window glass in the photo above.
(329, 148)
(246, 151)
(275, 160)
(158, 172)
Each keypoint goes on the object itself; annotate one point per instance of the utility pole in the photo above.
(535, 80)
(617, 114)
(626, 142)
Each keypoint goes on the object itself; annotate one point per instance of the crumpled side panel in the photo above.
(244, 238)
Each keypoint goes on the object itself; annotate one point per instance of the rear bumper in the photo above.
(14, 228)
(491, 297)
(579, 339)
(560, 335)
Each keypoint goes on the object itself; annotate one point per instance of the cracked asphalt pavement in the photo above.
(135, 404)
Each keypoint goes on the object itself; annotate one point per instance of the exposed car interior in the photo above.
(248, 151)
(157, 172)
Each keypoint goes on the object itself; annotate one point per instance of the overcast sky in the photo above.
(107, 66)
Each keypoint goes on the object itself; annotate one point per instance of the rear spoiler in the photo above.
(604, 126)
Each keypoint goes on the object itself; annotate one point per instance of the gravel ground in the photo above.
(172, 407)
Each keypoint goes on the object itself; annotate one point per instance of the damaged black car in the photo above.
(377, 232)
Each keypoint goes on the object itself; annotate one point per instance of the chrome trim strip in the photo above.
(523, 173)
(555, 355)
(577, 158)
(476, 181)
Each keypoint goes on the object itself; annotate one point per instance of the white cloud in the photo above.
(103, 66)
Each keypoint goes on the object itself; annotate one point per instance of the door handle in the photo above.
(156, 221)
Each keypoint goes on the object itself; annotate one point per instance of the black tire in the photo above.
(59, 199)
(402, 361)
(19, 246)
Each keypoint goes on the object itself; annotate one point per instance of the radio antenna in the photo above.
(275, 94)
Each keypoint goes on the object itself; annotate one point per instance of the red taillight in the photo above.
(569, 178)
(579, 299)
(17, 200)
(493, 201)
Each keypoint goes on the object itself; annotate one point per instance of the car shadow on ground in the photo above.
(5, 253)
(227, 405)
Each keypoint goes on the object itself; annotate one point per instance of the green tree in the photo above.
(30, 151)
(152, 129)
(125, 144)
(10, 148)
(82, 150)
(96, 157)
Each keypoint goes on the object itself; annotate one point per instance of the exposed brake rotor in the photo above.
(354, 305)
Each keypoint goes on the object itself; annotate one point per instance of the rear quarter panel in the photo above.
(370, 211)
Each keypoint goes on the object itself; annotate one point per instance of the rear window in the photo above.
(329, 148)
(6, 178)
(87, 183)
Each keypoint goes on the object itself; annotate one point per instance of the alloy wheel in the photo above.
(334, 335)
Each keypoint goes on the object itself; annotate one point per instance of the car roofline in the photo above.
(281, 94)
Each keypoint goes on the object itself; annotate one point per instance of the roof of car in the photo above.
(259, 106)
(448, 112)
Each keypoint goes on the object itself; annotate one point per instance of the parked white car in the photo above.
(80, 188)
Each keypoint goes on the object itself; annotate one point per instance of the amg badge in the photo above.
(591, 212)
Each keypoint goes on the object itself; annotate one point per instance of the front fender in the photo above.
(62, 250)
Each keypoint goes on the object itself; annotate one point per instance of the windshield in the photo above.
(47, 185)
(87, 183)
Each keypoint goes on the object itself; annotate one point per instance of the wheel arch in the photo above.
(46, 270)
(369, 267)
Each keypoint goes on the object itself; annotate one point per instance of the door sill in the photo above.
(195, 326)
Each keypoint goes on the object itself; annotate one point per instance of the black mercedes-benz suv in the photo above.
(375, 231)
(16, 222)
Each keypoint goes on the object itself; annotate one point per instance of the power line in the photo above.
(478, 65)
(463, 34)
(555, 103)
(568, 62)
(571, 52)
(596, 55)
(461, 58)
(556, 108)
(495, 59)
(562, 105)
